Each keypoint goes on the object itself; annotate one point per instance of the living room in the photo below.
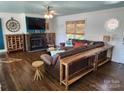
(39, 52)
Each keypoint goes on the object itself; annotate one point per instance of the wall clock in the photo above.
(13, 25)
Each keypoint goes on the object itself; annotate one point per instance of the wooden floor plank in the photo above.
(19, 76)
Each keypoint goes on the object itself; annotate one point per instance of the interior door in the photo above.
(1, 37)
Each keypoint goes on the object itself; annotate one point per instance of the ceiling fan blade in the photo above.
(52, 11)
(56, 13)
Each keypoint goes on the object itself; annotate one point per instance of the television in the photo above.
(35, 23)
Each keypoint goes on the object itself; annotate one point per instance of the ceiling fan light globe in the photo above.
(45, 16)
(50, 16)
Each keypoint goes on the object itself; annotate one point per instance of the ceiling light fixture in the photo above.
(49, 13)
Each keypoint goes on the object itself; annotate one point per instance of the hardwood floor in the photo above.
(19, 76)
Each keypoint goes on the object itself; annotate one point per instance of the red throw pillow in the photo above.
(77, 44)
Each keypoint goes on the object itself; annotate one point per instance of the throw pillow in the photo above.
(77, 44)
(47, 59)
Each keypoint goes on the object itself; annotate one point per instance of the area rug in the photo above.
(9, 60)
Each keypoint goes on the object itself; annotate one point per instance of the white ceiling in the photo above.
(61, 7)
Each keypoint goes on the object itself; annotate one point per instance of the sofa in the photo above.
(52, 63)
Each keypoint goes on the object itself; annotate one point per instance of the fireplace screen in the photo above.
(37, 42)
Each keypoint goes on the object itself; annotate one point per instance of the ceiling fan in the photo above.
(49, 13)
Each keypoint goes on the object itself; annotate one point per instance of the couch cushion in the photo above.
(54, 59)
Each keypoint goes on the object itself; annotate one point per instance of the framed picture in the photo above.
(106, 38)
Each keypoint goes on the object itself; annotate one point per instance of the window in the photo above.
(75, 29)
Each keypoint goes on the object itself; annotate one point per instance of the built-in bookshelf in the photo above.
(15, 42)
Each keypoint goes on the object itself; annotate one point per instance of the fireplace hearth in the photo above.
(36, 42)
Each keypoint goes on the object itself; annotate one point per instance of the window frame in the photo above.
(73, 28)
